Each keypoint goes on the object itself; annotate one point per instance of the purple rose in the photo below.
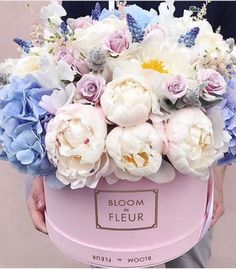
(175, 87)
(90, 87)
(65, 55)
(118, 41)
(81, 66)
(215, 83)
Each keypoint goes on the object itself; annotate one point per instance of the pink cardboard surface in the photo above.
(128, 224)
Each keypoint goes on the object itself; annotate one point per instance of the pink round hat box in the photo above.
(128, 224)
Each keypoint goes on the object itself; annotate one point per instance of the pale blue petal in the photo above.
(25, 156)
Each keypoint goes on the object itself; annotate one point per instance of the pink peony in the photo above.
(175, 87)
(90, 87)
(215, 82)
(118, 41)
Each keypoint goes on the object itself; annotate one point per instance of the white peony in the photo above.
(137, 152)
(221, 137)
(192, 149)
(126, 101)
(75, 143)
(96, 34)
(26, 65)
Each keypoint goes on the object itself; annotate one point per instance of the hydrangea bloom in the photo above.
(228, 106)
(22, 126)
(142, 16)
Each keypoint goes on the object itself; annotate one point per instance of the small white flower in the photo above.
(58, 98)
(51, 75)
(53, 12)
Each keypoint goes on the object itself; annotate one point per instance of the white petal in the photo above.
(64, 71)
(124, 175)
(112, 178)
(165, 174)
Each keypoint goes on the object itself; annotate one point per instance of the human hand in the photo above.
(36, 204)
(218, 207)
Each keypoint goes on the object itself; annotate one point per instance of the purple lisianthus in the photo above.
(22, 126)
(90, 87)
(228, 106)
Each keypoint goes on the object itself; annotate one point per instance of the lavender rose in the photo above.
(64, 55)
(90, 87)
(215, 83)
(175, 87)
(118, 41)
(67, 56)
(81, 66)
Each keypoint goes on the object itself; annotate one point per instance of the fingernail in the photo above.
(39, 204)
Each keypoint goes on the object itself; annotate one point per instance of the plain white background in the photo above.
(20, 244)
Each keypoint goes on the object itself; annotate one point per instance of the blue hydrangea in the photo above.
(107, 13)
(22, 126)
(228, 106)
(142, 16)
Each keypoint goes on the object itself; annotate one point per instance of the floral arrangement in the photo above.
(120, 95)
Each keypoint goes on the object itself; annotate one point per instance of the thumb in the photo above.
(40, 204)
(38, 193)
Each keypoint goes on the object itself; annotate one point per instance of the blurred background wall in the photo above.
(20, 244)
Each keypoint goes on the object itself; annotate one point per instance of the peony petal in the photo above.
(78, 184)
(124, 175)
(165, 174)
(112, 178)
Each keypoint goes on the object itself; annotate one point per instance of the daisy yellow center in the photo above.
(155, 65)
